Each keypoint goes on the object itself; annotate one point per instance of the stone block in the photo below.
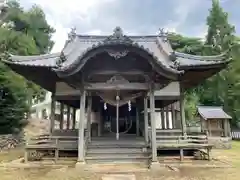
(220, 142)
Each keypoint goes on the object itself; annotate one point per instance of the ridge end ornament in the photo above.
(163, 34)
(118, 32)
(72, 34)
(118, 37)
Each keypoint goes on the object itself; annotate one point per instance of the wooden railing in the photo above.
(46, 142)
(182, 142)
(174, 139)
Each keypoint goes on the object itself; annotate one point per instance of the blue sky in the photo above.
(187, 17)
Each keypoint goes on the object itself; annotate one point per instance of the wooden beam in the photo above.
(67, 97)
(112, 72)
(123, 86)
(73, 92)
(167, 98)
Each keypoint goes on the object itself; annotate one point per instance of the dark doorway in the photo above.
(127, 119)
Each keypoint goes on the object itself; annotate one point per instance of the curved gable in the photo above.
(118, 46)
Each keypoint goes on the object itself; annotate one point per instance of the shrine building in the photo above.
(126, 88)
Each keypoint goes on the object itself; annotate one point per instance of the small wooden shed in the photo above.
(214, 121)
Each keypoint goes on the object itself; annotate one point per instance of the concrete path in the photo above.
(119, 177)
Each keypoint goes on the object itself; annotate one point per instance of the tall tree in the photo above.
(221, 89)
(220, 34)
(21, 33)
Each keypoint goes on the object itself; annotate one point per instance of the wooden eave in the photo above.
(195, 76)
(40, 75)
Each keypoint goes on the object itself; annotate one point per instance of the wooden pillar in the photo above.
(74, 118)
(52, 118)
(81, 127)
(167, 117)
(162, 118)
(117, 118)
(146, 118)
(225, 127)
(209, 127)
(173, 116)
(61, 115)
(182, 111)
(177, 114)
(89, 120)
(229, 128)
(100, 127)
(137, 122)
(68, 117)
(153, 126)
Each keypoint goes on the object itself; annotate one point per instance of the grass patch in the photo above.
(10, 155)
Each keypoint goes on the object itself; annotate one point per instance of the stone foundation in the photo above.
(221, 142)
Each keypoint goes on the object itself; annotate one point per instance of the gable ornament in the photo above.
(117, 79)
(117, 54)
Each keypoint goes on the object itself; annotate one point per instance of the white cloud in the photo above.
(64, 14)
(101, 16)
(182, 10)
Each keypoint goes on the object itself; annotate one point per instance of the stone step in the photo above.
(120, 167)
(102, 145)
(117, 142)
(117, 155)
(115, 150)
(117, 159)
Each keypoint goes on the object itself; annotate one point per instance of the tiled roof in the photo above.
(156, 46)
(212, 112)
(47, 60)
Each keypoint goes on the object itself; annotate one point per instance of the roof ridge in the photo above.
(102, 36)
(33, 57)
(202, 106)
(219, 57)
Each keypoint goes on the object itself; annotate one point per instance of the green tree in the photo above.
(21, 33)
(220, 89)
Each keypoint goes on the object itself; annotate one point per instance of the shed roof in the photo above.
(212, 112)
